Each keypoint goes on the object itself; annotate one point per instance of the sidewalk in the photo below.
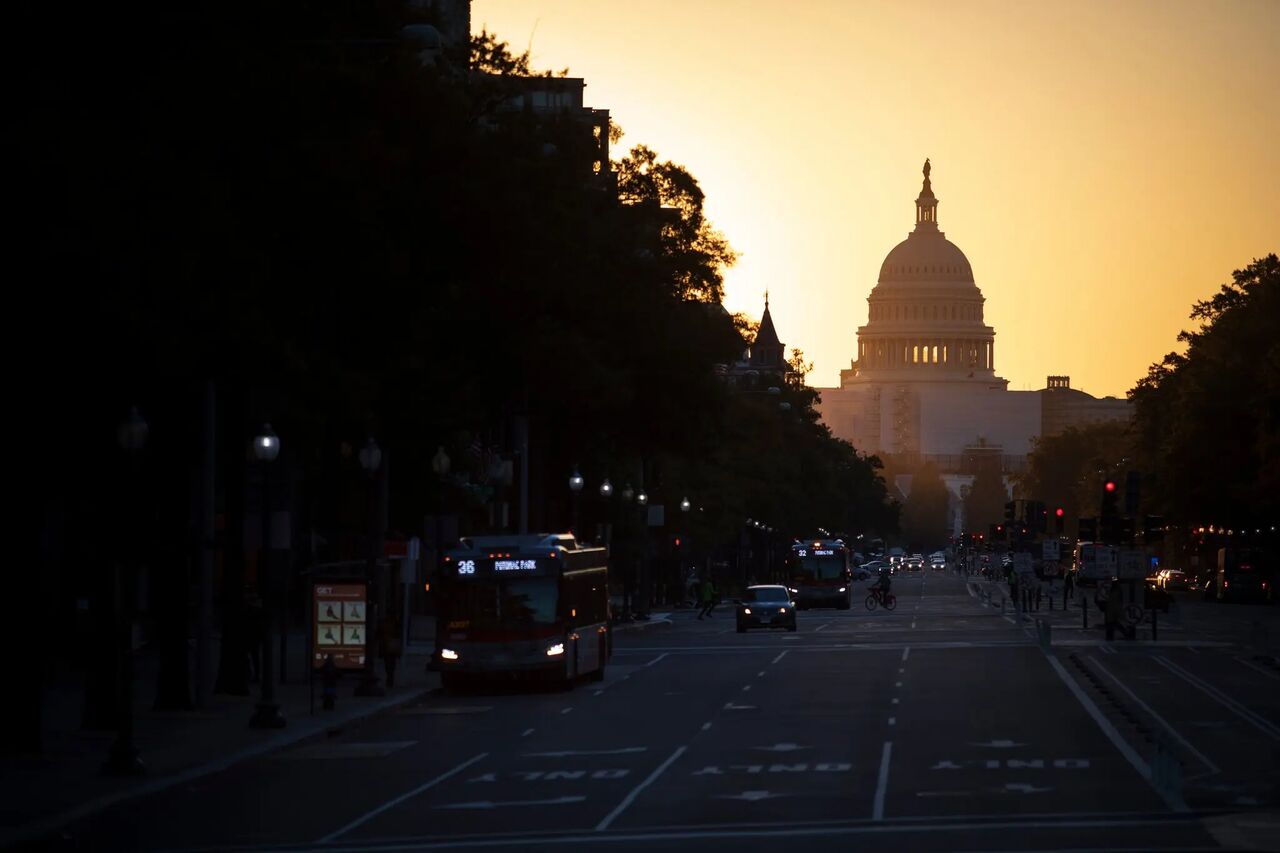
(66, 782)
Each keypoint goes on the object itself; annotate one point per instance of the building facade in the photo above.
(924, 387)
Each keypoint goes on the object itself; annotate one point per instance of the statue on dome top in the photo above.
(927, 167)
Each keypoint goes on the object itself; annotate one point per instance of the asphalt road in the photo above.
(941, 726)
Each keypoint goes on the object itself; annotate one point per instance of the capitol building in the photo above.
(924, 387)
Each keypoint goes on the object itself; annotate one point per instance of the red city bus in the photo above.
(532, 605)
(818, 574)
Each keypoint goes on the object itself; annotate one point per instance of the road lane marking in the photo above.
(746, 688)
(566, 710)
(780, 656)
(489, 804)
(882, 783)
(1261, 724)
(760, 674)
(526, 733)
(785, 830)
(596, 692)
(565, 753)
(1172, 800)
(1213, 768)
(893, 721)
(407, 795)
(821, 627)
(635, 792)
(658, 658)
(706, 727)
(893, 701)
(897, 684)
(905, 653)
(1255, 668)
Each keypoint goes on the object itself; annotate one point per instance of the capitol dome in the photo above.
(926, 256)
(925, 315)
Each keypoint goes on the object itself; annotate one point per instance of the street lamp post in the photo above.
(575, 488)
(123, 758)
(266, 447)
(370, 462)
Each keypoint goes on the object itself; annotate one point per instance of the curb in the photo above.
(46, 826)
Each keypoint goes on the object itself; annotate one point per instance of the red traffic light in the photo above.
(1110, 486)
(677, 542)
(1059, 512)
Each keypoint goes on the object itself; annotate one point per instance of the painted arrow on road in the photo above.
(781, 747)
(1000, 744)
(624, 751)
(489, 804)
(750, 796)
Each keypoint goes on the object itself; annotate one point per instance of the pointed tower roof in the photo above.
(767, 335)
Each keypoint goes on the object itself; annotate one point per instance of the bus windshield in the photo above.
(825, 568)
(505, 603)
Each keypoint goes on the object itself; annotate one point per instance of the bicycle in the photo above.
(878, 598)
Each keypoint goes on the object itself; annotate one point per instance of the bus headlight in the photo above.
(844, 589)
(448, 654)
(557, 649)
(746, 611)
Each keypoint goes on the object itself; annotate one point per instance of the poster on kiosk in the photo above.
(339, 621)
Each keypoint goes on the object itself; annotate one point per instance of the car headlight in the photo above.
(844, 589)
(746, 611)
(782, 609)
(448, 654)
(793, 591)
(557, 649)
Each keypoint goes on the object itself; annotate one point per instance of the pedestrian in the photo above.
(706, 596)
(390, 647)
(1037, 590)
(1068, 587)
(1115, 611)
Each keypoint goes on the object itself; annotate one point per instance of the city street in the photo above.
(944, 725)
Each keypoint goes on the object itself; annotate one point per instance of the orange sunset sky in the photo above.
(1102, 164)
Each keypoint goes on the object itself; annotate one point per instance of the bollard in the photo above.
(329, 683)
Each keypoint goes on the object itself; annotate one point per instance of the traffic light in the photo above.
(1109, 508)
(1059, 520)
(1010, 512)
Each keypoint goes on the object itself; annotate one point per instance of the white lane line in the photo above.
(905, 652)
(596, 692)
(1252, 666)
(902, 669)
(882, 783)
(658, 658)
(821, 627)
(1261, 724)
(706, 727)
(390, 804)
(760, 674)
(780, 656)
(913, 623)
(526, 733)
(893, 721)
(565, 710)
(1213, 768)
(897, 684)
(635, 792)
(746, 688)
(1172, 800)
(893, 701)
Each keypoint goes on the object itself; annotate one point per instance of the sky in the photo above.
(1103, 165)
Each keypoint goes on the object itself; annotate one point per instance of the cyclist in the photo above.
(882, 585)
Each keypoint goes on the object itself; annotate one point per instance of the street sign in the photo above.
(339, 623)
(1050, 550)
(1097, 562)
(1131, 564)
